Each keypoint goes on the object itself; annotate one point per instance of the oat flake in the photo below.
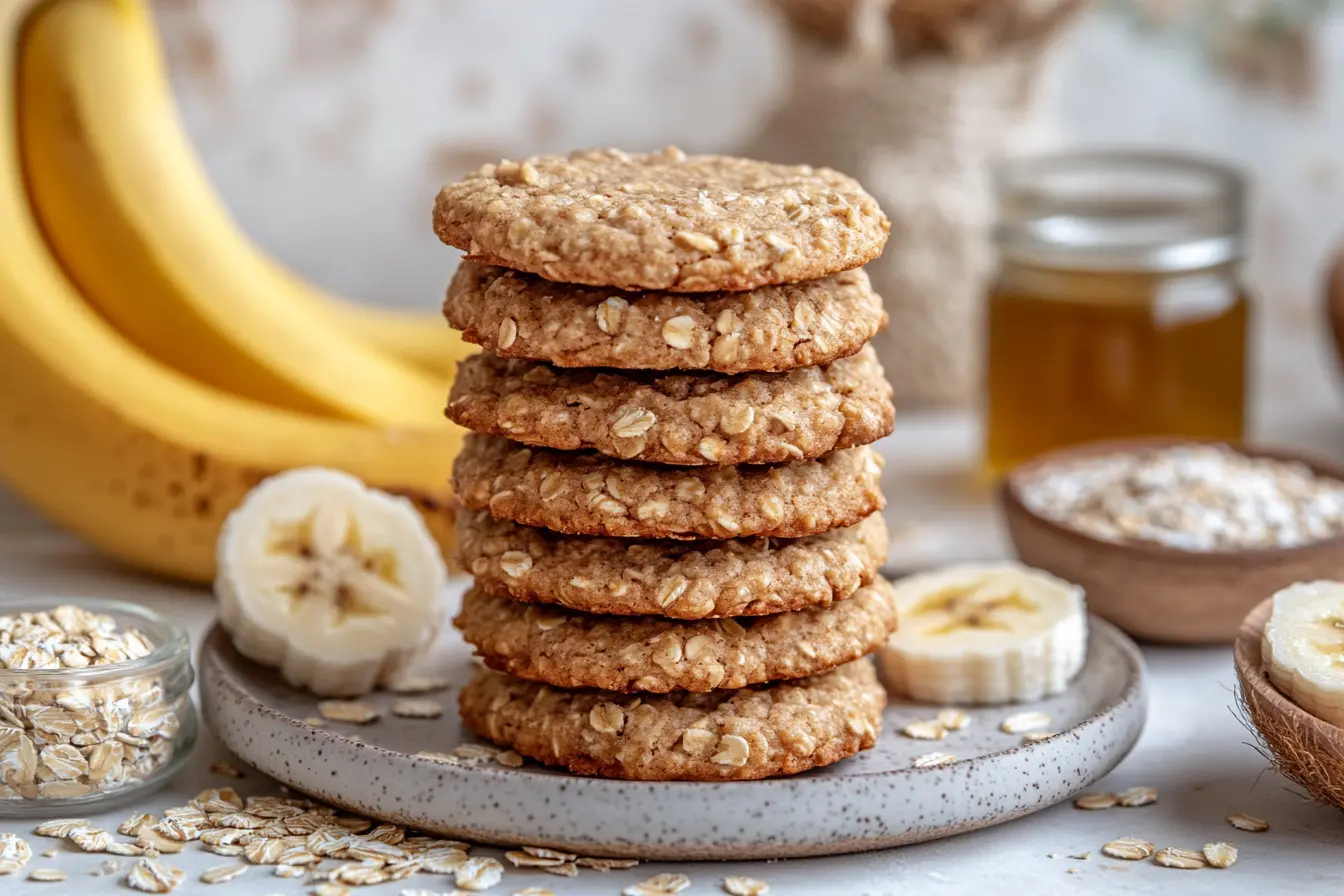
(1175, 857)
(1022, 722)
(664, 884)
(352, 711)
(745, 886)
(1096, 801)
(1129, 848)
(417, 709)
(222, 873)
(1137, 796)
(478, 874)
(46, 875)
(1243, 822)
(1220, 855)
(924, 731)
(930, 760)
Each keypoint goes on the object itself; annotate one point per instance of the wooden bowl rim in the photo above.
(1013, 504)
(1247, 659)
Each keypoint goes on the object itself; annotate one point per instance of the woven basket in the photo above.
(918, 99)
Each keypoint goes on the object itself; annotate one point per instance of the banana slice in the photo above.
(337, 585)
(985, 633)
(1303, 647)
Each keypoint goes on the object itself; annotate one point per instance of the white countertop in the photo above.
(1194, 750)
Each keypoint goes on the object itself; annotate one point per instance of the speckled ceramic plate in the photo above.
(872, 801)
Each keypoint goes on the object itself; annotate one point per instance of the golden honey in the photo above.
(1115, 314)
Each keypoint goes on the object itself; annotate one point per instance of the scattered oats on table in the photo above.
(221, 874)
(1243, 822)
(564, 869)
(745, 886)
(1175, 857)
(665, 884)
(1096, 801)
(1220, 855)
(46, 875)
(531, 891)
(106, 868)
(149, 876)
(1137, 796)
(478, 873)
(227, 769)
(14, 853)
(1129, 848)
(62, 827)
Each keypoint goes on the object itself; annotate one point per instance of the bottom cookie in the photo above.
(757, 732)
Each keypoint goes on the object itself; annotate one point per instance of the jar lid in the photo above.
(1120, 211)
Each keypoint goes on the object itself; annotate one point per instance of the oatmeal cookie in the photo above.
(568, 649)
(677, 579)
(662, 220)
(517, 315)
(689, 419)
(581, 493)
(758, 732)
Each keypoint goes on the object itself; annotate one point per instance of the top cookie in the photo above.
(662, 220)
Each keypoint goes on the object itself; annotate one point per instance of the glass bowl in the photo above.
(75, 737)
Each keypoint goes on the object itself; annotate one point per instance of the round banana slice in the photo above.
(1303, 647)
(336, 585)
(985, 633)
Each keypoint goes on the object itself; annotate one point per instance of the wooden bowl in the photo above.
(1155, 592)
(1334, 303)
(1304, 748)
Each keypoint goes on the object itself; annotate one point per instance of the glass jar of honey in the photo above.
(1117, 310)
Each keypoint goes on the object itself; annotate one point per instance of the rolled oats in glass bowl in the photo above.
(95, 703)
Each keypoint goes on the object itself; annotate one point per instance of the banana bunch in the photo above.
(1302, 647)
(154, 364)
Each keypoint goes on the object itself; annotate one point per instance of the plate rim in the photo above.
(1133, 692)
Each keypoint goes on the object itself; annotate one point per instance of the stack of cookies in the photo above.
(668, 500)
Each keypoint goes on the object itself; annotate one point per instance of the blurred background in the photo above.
(328, 127)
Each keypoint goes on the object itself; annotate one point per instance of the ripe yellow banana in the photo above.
(420, 337)
(139, 459)
(130, 214)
